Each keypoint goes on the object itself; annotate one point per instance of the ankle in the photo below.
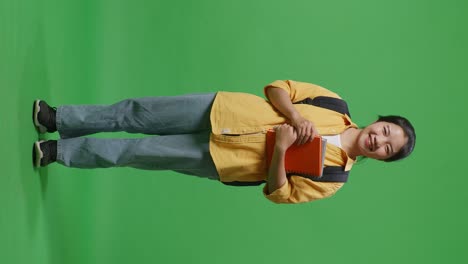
(54, 120)
(53, 150)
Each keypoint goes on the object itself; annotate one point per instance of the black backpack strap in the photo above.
(331, 103)
(243, 184)
(330, 174)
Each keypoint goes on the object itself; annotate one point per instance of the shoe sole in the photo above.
(39, 154)
(39, 127)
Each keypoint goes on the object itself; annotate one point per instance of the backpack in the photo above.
(330, 173)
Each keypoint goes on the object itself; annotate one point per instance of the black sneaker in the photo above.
(44, 152)
(44, 117)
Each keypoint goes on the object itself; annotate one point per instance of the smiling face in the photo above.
(381, 140)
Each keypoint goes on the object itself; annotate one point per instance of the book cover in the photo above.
(304, 159)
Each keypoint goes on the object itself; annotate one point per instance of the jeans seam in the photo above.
(58, 121)
(59, 151)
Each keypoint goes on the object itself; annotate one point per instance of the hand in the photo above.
(285, 136)
(305, 129)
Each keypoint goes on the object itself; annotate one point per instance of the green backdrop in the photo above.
(384, 57)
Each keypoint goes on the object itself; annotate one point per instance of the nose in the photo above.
(379, 140)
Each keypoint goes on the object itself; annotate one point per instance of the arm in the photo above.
(279, 98)
(298, 189)
(298, 91)
(276, 173)
(285, 137)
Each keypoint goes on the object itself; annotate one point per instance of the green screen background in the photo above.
(384, 57)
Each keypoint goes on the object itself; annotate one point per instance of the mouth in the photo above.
(369, 144)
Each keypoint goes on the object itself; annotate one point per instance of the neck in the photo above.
(349, 142)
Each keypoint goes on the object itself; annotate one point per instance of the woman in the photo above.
(220, 136)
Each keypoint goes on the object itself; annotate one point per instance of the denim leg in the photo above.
(165, 115)
(187, 153)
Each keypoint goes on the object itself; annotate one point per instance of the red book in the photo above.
(304, 159)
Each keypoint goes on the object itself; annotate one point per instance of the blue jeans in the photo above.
(182, 124)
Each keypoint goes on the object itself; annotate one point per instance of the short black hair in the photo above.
(406, 150)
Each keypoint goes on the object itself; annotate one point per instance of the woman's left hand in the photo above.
(305, 129)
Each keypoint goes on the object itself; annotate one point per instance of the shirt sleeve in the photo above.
(298, 189)
(299, 91)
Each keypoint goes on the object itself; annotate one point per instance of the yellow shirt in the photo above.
(237, 144)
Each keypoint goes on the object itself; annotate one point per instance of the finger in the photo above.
(314, 132)
(298, 137)
(313, 135)
(294, 136)
(306, 138)
(301, 136)
(306, 135)
(310, 134)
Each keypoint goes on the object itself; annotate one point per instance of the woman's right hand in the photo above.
(285, 136)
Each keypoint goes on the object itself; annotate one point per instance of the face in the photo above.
(381, 140)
